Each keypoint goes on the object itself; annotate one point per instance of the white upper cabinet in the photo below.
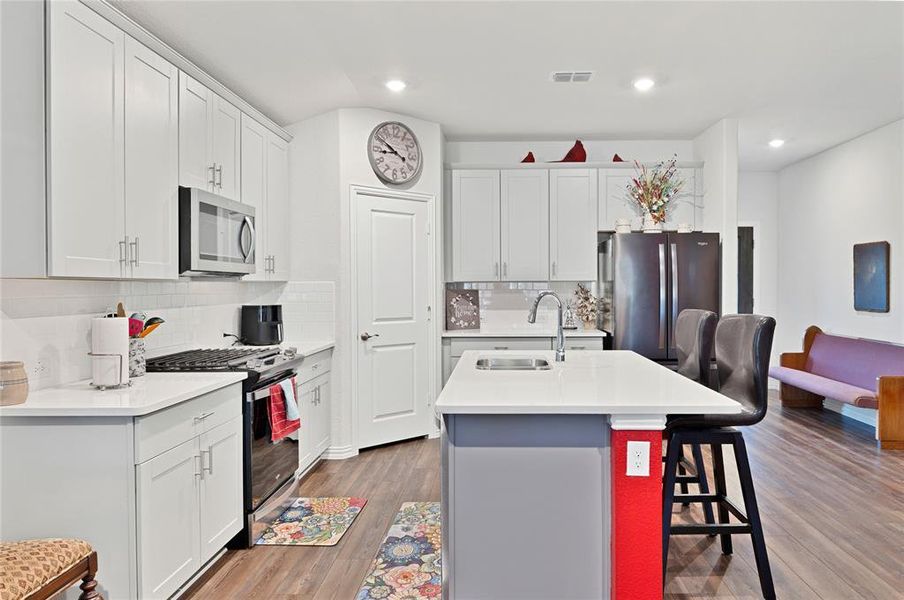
(225, 145)
(278, 217)
(209, 140)
(254, 186)
(525, 225)
(151, 162)
(573, 224)
(85, 197)
(196, 168)
(475, 225)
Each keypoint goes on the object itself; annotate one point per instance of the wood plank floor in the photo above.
(832, 506)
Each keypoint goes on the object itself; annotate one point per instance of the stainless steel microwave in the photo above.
(216, 235)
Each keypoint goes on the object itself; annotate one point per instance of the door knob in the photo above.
(366, 336)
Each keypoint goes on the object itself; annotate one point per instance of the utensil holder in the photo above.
(137, 358)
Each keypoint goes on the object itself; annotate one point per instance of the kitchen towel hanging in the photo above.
(109, 352)
(280, 424)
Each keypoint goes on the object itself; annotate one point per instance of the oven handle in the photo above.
(263, 392)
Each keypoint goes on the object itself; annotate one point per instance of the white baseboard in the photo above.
(340, 452)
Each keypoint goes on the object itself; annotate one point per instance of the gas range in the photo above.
(259, 362)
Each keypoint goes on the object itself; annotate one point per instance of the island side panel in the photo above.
(526, 506)
(636, 520)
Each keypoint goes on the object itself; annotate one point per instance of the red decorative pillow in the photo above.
(576, 154)
(529, 158)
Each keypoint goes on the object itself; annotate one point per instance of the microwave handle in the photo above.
(247, 223)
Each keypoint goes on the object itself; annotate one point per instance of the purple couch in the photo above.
(864, 373)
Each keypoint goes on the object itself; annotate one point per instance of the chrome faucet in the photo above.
(560, 335)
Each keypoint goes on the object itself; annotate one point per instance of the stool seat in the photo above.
(27, 566)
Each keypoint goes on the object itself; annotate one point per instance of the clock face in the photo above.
(394, 153)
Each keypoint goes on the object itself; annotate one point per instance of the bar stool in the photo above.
(695, 332)
(743, 344)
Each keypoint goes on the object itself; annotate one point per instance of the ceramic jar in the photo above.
(650, 225)
(13, 383)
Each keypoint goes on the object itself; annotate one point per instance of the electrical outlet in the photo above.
(638, 459)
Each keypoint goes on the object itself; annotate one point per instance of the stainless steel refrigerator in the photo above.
(651, 277)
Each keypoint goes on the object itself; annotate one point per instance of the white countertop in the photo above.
(309, 347)
(147, 394)
(615, 382)
(523, 332)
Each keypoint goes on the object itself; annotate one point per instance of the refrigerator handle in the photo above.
(674, 262)
(662, 296)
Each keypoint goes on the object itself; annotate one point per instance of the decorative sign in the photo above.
(462, 309)
(871, 277)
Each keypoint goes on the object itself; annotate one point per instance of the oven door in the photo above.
(268, 464)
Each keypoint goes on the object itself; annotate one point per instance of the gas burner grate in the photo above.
(208, 359)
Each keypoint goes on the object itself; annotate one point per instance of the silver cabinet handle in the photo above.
(213, 175)
(553, 268)
(198, 466)
(500, 347)
(496, 269)
(272, 263)
(219, 170)
(209, 467)
(505, 269)
(203, 416)
(366, 336)
(124, 250)
(662, 295)
(134, 259)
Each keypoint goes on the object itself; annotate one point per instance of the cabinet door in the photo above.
(322, 415)
(278, 207)
(86, 220)
(683, 205)
(572, 224)
(525, 225)
(305, 395)
(475, 226)
(225, 144)
(221, 486)
(254, 187)
(168, 520)
(613, 199)
(151, 162)
(195, 114)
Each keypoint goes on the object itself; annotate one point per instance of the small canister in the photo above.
(137, 358)
(13, 383)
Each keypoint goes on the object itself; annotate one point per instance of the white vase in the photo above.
(650, 225)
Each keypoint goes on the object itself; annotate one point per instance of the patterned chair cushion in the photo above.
(28, 565)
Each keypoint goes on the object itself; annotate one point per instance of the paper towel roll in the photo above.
(110, 351)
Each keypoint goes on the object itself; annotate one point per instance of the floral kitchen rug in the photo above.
(408, 567)
(313, 522)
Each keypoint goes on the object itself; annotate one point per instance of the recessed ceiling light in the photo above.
(396, 85)
(776, 143)
(644, 84)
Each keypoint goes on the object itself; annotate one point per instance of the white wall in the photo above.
(849, 194)
(758, 207)
(489, 152)
(333, 148)
(717, 147)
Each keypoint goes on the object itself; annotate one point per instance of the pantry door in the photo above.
(394, 264)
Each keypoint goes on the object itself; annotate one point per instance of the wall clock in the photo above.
(394, 153)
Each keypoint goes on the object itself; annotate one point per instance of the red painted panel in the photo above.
(636, 521)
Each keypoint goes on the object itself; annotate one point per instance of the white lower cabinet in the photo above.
(169, 537)
(313, 393)
(188, 500)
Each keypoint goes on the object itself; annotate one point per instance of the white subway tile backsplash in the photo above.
(47, 322)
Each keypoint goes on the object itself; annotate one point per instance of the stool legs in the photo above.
(703, 482)
(722, 492)
(753, 514)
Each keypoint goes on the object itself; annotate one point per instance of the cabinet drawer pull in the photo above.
(578, 348)
(500, 347)
(203, 416)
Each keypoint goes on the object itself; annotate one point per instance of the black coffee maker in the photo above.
(261, 325)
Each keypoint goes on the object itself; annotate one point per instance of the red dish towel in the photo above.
(280, 426)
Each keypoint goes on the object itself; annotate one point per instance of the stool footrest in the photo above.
(712, 499)
(716, 529)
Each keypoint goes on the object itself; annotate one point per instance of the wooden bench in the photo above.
(863, 373)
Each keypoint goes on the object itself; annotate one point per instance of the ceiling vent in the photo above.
(572, 76)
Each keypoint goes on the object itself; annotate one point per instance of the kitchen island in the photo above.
(537, 497)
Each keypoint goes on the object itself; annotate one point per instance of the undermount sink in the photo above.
(513, 364)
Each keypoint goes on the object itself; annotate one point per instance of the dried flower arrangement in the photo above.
(586, 305)
(653, 189)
